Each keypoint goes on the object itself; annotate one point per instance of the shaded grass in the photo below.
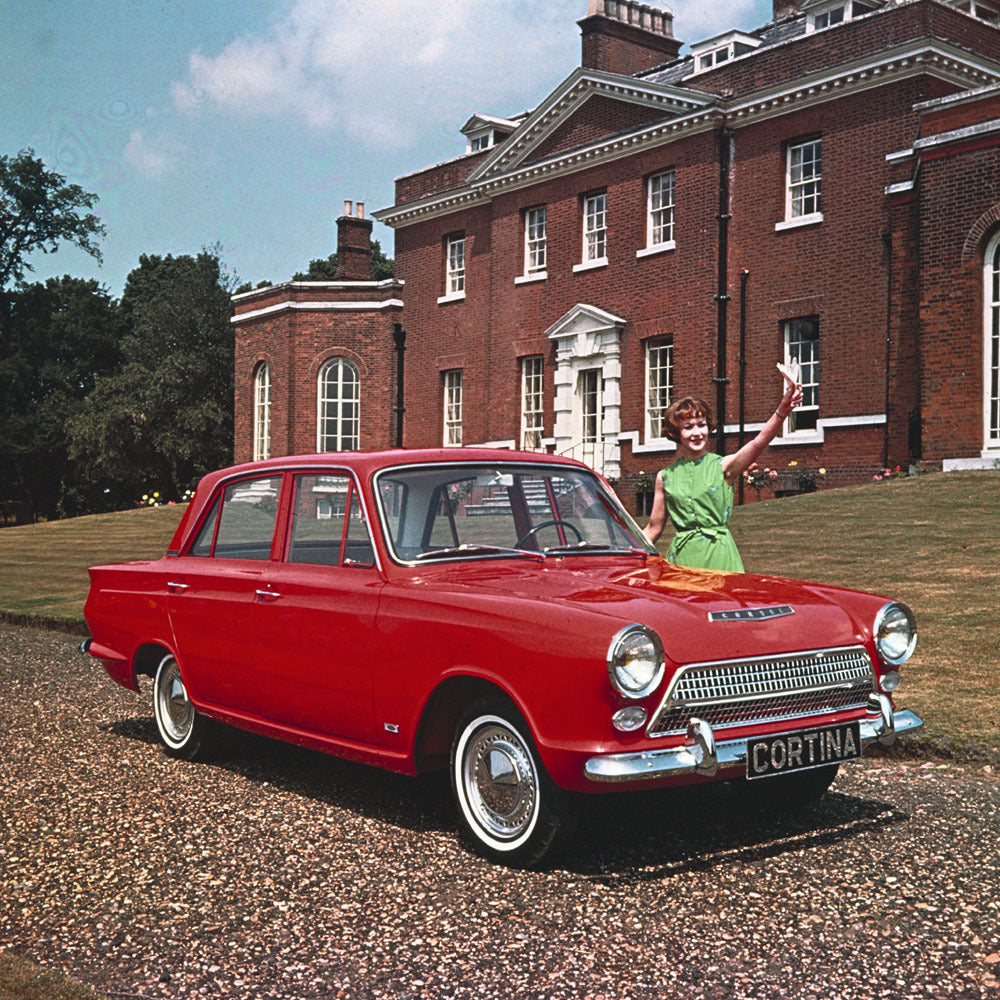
(20, 980)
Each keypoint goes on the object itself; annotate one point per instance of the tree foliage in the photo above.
(57, 340)
(38, 211)
(166, 416)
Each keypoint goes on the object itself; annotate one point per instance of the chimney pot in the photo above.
(361, 209)
(347, 207)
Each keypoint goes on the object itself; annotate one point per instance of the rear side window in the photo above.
(241, 524)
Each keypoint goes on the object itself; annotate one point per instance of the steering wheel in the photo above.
(558, 522)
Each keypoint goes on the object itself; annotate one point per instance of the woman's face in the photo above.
(693, 431)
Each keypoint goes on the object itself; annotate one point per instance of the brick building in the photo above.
(823, 188)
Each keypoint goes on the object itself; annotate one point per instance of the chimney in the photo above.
(625, 37)
(354, 245)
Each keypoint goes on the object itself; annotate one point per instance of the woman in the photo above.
(696, 490)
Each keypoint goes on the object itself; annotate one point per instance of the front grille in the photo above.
(766, 689)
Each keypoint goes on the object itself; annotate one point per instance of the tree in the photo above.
(57, 340)
(38, 211)
(325, 269)
(166, 417)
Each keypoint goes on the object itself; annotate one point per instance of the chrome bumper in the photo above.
(703, 755)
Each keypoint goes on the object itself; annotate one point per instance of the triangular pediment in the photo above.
(582, 111)
(584, 320)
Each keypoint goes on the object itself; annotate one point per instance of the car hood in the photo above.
(679, 603)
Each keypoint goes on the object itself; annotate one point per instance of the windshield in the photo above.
(484, 511)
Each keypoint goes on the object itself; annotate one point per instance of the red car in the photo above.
(498, 613)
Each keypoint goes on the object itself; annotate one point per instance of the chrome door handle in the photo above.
(268, 595)
(176, 585)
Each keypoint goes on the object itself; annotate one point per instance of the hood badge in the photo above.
(751, 614)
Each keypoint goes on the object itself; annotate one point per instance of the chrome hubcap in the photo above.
(500, 781)
(176, 712)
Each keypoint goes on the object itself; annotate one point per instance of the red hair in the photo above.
(683, 409)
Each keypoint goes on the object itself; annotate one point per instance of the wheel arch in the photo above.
(441, 714)
(147, 658)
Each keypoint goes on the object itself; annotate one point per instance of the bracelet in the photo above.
(783, 416)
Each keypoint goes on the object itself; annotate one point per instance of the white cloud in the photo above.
(151, 157)
(383, 71)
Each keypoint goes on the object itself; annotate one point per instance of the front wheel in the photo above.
(180, 725)
(509, 808)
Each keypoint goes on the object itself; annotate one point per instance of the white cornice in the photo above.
(326, 286)
(281, 307)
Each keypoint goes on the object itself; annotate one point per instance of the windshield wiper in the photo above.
(474, 549)
(596, 547)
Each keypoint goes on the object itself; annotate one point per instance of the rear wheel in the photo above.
(180, 725)
(509, 809)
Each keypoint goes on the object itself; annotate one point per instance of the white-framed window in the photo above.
(659, 386)
(535, 241)
(722, 48)
(338, 404)
(804, 182)
(830, 15)
(532, 402)
(991, 348)
(595, 228)
(454, 268)
(480, 140)
(453, 407)
(801, 337)
(660, 211)
(262, 412)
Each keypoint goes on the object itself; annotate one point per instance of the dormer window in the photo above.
(484, 131)
(988, 12)
(721, 49)
(480, 140)
(827, 15)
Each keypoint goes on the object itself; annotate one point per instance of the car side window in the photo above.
(246, 521)
(328, 526)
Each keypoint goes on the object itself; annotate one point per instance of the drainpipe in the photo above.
(399, 337)
(887, 243)
(722, 296)
(744, 276)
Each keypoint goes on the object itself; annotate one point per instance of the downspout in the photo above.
(399, 337)
(722, 296)
(887, 243)
(744, 276)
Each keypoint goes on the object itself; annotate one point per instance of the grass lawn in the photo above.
(932, 541)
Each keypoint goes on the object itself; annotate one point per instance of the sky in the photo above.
(203, 123)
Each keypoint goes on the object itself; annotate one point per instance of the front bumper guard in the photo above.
(703, 755)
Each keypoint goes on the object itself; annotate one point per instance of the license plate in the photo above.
(769, 756)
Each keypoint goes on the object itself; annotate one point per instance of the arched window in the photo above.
(338, 397)
(991, 347)
(262, 412)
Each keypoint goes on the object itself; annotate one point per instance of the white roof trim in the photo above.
(281, 307)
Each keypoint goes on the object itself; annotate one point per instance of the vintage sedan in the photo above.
(500, 614)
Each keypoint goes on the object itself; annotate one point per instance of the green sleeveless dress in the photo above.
(700, 503)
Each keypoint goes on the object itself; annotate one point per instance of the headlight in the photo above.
(635, 661)
(895, 633)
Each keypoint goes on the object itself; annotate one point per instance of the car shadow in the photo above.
(621, 839)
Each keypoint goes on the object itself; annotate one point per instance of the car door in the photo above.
(315, 640)
(212, 594)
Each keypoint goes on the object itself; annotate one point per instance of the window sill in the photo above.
(445, 299)
(590, 265)
(659, 248)
(802, 220)
(527, 279)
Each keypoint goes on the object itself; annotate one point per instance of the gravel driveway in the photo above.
(278, 872)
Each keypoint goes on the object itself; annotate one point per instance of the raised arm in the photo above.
(658, 515)
(733, 465)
